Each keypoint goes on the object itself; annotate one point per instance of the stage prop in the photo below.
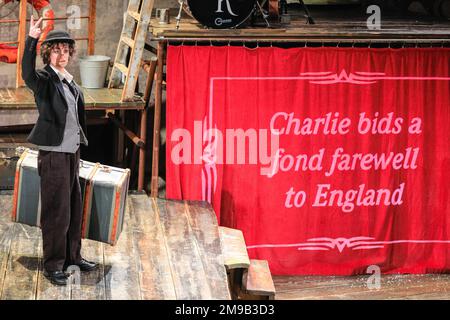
(104, 190)
(332, 161)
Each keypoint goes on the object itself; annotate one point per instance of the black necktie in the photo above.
(72, 89)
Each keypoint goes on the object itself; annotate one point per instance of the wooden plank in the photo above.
(23, 264)
(45, 289)
(16, 98)
(257, 279)
(136, 16)
(157, 119)
(129, 42)
(21, 42)
(22, 98)
(91, 26)
(355, 287)
(154, 267)
(121, 67)
(120, 269)
(110, 98)
(6, 234)
(186, 264)
(203, 222)
(334, 29)
(234, 248)
(90, 285)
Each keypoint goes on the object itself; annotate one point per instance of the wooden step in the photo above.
(257, 281)
(128, 41)
(121, 67)
(234, 251)
(234, 248)
(135, 15)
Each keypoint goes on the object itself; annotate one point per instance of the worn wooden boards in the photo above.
(429, 286)
(325, 28)
(257, 279)
(167, 250)
(234, 248)
(95, 99)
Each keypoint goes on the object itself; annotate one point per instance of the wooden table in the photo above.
(95, 99)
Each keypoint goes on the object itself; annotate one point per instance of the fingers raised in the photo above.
(38, 22)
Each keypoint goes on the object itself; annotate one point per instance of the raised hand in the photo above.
(35, 30)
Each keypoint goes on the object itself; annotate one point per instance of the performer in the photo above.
(58, 132)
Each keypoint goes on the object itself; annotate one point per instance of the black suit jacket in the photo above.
(50, 100)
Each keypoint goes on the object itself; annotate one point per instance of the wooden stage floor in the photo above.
(167, 250)
(172, 253)
(392, 287)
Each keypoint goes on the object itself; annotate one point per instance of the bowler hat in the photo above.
(58, 36)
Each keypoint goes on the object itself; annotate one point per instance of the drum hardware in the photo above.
(263, 14)
(178, 18)
(309, 19)
(225, 14)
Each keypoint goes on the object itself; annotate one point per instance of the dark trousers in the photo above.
(61, 208)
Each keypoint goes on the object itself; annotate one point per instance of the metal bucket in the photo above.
(93, 70)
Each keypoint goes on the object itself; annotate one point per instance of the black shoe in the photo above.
(84, 265)
(58, 278)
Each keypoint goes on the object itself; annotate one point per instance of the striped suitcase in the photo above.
(102, 221)
(104, 204)
(27, 195)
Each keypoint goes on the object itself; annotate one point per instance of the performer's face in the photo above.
(59, 56)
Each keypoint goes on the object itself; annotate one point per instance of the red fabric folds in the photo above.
(363, 153)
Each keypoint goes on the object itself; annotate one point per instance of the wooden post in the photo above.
(130, 134)
(151, 69)
(121, 141)
(157, 122)
(91, 27)
(21, 40)
(143, 134)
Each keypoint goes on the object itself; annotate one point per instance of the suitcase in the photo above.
(104, 191)
(104, 204)
(9, 155)
(27, 190)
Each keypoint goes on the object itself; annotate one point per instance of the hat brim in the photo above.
(60, 40)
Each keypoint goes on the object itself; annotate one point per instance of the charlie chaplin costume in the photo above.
(58, 132)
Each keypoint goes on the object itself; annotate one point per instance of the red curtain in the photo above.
(343, 158)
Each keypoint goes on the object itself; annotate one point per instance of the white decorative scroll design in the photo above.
(354, 243)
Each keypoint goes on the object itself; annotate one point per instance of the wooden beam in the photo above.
(91, 27)
(142, 151)
(21, 40)
(150, 68)
(157, 120)
(133, 137)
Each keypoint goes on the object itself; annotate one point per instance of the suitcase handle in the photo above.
(105, 168)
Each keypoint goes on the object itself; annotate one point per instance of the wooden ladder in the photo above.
(134, 33)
